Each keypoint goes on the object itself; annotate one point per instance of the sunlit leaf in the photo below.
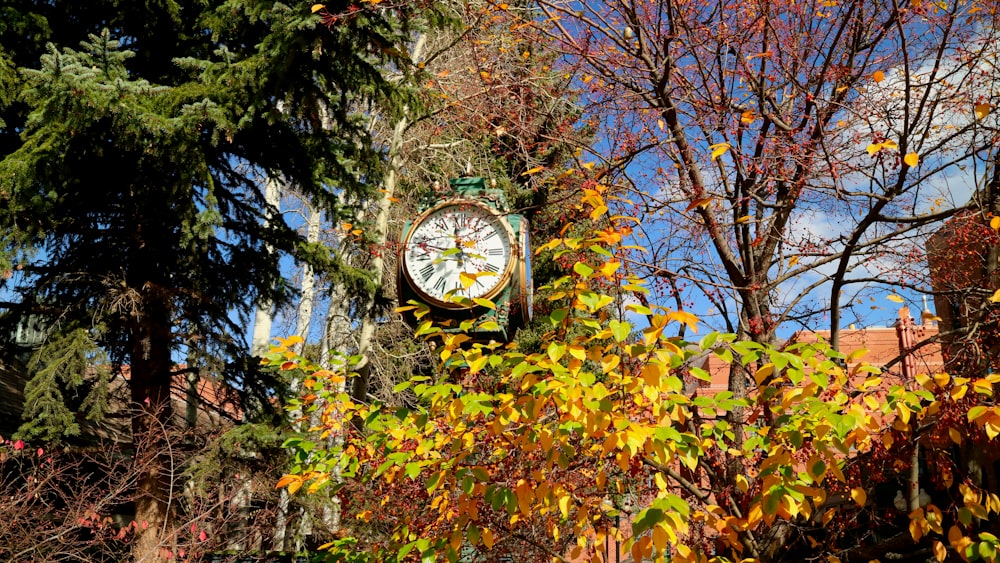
(698, 203)
(718, 150)
(317, 7)
(895, 298)
(878, 76)
(911, 159)
(982, 110)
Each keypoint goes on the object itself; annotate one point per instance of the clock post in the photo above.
(468, 258)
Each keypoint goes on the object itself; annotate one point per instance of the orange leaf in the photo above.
(940, 552)
(698, 203)
(878, 76)
(982, 110)
(287, 480)
(995, 223)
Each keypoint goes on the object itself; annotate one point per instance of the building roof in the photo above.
(884, 345)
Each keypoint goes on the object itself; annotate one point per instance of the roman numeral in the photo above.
(492, 267)
(439, 285)
(426, 272)
(491, 235)
(494, 251)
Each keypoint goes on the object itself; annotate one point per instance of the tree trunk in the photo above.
(359, 389)
(263, 318)
(150, 394)
(304, 311)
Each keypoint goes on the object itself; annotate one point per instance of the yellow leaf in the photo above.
(743, 219)
(878, 76)
(763, 372)
(996, 296)
(982, 110)
(741, 482)
(890, 144)
(564, 505)
(995, 223)
(793, 261)
(685, 318)
(958, 391)
(940, 552)
(747, 117)
(911, 159)
(659, 537)
(534, 170)
(718, 150)
(610, 362)
(609, 268)
(661, 124)
(467, 279)
(873, 148)
(859, 496)
(317, 7)
(487, 536)
(895, 298)
(477, 364)
(598, 211)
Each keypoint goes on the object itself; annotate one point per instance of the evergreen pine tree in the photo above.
(136, 141)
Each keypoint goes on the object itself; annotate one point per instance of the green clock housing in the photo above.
(463, 248)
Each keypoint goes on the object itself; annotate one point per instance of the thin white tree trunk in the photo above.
(304, 311)
(359, 390)
(263, 318)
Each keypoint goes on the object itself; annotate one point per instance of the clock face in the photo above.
(459, 248)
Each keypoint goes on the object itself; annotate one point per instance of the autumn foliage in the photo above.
(603, 436)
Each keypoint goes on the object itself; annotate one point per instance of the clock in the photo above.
(459, 248)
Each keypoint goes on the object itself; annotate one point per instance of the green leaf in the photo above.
(620, 330)
(647, 519)
(708, 340)
(583, 270)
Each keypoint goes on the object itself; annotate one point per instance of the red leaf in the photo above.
(19, 445)
(202, 536)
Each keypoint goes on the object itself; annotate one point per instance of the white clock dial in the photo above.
(454, 238)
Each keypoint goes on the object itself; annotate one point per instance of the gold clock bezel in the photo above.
(505, 275)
